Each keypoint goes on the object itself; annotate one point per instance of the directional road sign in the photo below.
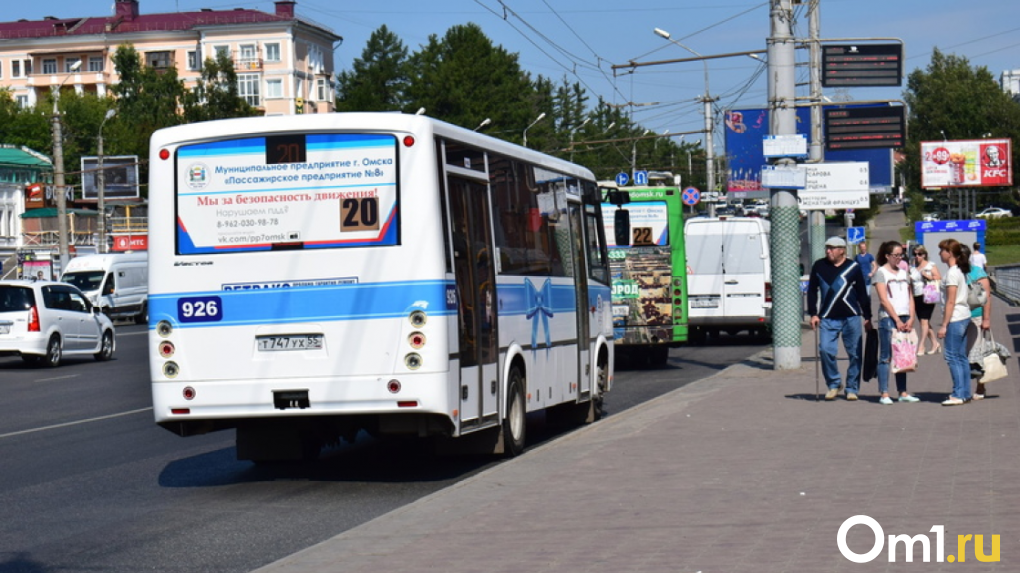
(641, 178)
(622, 179)
(855, 235)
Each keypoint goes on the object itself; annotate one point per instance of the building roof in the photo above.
(23, 157)
(127, 19)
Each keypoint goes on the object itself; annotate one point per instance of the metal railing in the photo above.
(1006, 282)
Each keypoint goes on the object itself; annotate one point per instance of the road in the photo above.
(90, 483)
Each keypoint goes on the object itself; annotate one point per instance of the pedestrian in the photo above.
(980, 317)
(924, 272)
(895, 313)
(837, 300)
(977, 259)
(867, 263)
(955, 320)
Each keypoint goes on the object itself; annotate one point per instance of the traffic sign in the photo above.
(855, 235)
(641, 178)
(691, 196)
(622, 179)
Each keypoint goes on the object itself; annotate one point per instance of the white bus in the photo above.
(312, 277)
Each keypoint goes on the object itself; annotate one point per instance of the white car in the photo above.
(993, 213)
(44, 321)
(930, 217)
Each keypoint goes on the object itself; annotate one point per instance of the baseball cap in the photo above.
(835, 242)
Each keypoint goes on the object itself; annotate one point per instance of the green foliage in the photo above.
(379, 77)
(1004, 231)
(216, 95)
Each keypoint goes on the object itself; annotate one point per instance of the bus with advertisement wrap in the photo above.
(647, 265)
(313, 277)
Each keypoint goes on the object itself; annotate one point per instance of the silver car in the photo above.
(44, 321)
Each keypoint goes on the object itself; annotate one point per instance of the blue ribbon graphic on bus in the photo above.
(539, 309)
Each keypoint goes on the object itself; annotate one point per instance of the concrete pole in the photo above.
(816, 150)
(787, 313)
(58, 187)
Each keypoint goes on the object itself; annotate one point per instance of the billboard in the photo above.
(867, 65)
(121, 177)
(745, 131)
(966, 163)
(865, 127)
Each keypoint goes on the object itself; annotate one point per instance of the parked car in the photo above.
(44, 321)
(993, 213)
(930, 217)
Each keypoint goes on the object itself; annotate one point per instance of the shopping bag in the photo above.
(976, 295)
(931, 293)
(988, 358)
(870, 355)
(904, 351)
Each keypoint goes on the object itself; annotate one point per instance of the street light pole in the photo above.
(537, 119)
(709, 124)
(58, 173)
(101, 183)
(572, 132)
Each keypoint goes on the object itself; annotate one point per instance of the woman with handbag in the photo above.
(895, 320)
(980, 317)
(926, 280)
(955, 320)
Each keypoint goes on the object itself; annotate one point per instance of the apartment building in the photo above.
(284, 62)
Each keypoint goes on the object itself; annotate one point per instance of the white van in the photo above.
(729, 275)
(117, 283)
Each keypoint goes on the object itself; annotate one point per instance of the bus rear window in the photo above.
(649, 223)
(299, 191)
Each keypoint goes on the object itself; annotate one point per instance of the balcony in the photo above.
(248, 65)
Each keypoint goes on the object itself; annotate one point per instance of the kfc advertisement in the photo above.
(969, 163)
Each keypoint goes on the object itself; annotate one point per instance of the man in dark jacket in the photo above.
(837, 299)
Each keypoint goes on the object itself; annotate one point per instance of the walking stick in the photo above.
(818, 359)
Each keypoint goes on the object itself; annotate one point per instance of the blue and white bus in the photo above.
(311, 277)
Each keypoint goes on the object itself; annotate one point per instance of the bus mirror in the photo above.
(621, 227)
(619, 198)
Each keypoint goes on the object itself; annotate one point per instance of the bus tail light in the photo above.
(33, 320)
(171, 370)
(393, 386)
(418, 318)
(164, 154)
(164, 329)
(166, 349)
(768, 292)
(416, 340)
(189, 393)
(412, 361)
(408, 141)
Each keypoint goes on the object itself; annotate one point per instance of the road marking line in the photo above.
(75, 423)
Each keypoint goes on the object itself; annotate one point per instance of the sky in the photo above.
(581, 40)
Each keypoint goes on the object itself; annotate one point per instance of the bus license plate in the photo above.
(704, 303)
(289, 342)
(5, 328)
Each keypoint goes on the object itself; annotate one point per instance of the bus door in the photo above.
(584, 334)
(476, 293)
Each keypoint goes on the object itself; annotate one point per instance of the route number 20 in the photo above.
(359, 214)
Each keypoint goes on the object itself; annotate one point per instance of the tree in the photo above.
(379, 77)
(464, 79)
(952, 99)
(216, 95)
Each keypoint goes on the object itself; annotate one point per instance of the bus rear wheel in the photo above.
(514, 424)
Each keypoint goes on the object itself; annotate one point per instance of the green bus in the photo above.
(645, 233)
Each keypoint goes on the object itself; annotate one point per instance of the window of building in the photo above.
(22, 101)
(69, 64)
(27, 65)
(15, 68)
(1, 68)
(274, 89)
(248, 88)
(321, 89)
(49, 66)
(194, 62)
(95, 63)
(222, 50)
(159, 60)
(273, 52)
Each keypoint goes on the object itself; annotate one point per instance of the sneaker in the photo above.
(951, 401)
(831, 394)
(851, 397)
(885, 400)
(909, 399)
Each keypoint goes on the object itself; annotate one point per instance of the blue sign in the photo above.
(641, 178)
(745, 130)
(622, 179)
(855, 235)
(691, 196)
